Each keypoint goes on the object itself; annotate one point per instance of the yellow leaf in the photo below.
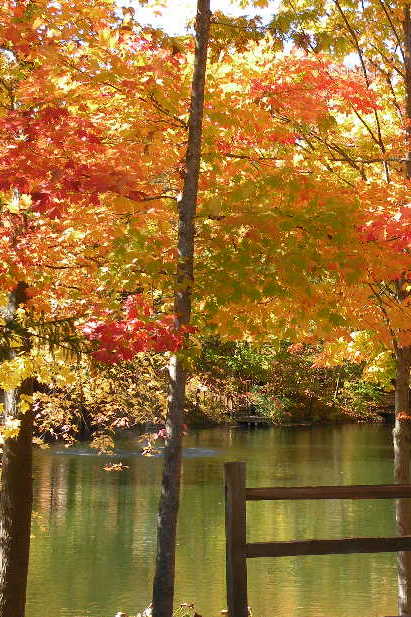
(37, 23)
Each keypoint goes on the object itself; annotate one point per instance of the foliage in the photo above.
(275, 381)
(275, 408)
(103, 399)
(140, 330)
(299, 234)
(237, 359)
(284, 382)
(361, 398)
(362, 348)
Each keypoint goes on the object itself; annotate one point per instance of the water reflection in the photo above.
(94, 544)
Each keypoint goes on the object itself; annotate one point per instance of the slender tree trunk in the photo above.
(402, 442)
(16, 492)
(163, 585)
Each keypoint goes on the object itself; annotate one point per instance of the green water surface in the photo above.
(94, 532)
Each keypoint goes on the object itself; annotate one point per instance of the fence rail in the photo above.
(238, 550)
(385, 491)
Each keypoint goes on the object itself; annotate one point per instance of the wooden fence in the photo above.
(238, 549)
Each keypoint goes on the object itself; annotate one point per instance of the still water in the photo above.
(94, 532)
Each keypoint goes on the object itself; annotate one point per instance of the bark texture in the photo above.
(16, 498)
(163, 585)
(16, 492)
(402, 442)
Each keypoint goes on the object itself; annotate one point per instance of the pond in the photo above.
(94, 533)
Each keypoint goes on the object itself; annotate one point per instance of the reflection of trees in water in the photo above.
(101, 528)
(99, 554)
(327, 584)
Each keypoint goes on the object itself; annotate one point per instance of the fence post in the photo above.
(235, 522)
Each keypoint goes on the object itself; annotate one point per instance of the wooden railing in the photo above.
(238, 549)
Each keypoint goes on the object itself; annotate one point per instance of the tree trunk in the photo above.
(402, 441)
(402, 429)
(16, 497)
(163, 585)
(16, 490)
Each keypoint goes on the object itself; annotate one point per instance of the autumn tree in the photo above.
(367, 151)
(377, 157)
(70, 191)
(163, 585)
